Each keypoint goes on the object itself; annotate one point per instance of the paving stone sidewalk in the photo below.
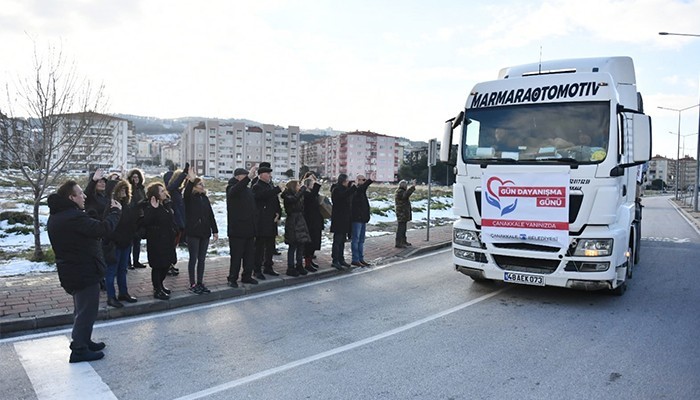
(37, 301)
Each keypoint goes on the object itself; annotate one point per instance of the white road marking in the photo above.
(221, 303)
(46, 363)
(337, 350)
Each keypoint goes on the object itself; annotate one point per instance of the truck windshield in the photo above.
(577, 132)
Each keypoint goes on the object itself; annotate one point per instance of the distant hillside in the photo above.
(163, 126)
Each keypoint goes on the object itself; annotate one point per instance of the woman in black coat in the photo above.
(314, 220)
(340, 219)
(117, 247)
(296, 234)
(200, 224)
(160, 237)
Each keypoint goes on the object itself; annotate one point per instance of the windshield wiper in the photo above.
(564, 160)
(483, 162)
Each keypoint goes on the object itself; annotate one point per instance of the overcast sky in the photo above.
(393, 67)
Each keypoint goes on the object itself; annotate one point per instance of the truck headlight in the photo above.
(593, 248)
(466, 238)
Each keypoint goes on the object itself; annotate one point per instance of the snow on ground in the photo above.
(15, 243)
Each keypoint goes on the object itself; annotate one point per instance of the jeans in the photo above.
(198, 253)
(358, 241)
(338, 246)
(118, 270)
(295, 250)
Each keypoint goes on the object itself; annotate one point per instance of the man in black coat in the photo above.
(241, 215)
(341, 197)
(269, 212)
(360, 218)
(76, 240)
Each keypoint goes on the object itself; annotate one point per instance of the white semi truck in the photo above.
(546, 175)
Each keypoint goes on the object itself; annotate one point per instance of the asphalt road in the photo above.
(414, 329)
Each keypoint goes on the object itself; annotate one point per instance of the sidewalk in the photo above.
(38, 301)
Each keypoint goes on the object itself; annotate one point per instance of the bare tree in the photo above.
(46, 125)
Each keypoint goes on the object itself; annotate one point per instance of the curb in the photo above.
(185, 299)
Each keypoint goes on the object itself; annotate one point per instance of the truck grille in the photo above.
(527, 246)
(522, 264)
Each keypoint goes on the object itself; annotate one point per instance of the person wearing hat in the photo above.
(269, 212)
(242, 225)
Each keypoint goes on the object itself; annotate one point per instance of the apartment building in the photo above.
(355, 153)
(105, 144)
(665, 169)
(216, 148)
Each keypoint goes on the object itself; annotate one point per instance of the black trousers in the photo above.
(242, 251)
(198, 254)
(264, 250)
(157, 277)
(86, 302)
(135, 251)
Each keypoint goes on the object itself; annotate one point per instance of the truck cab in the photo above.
(546, 185)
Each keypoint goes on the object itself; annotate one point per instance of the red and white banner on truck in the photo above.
(529, 208)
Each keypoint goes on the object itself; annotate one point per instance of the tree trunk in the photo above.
(38, 252)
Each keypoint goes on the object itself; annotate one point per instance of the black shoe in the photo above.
(203, 289)
(337, 266)
(407, 244)
(132, 267)
(233, 284)
(161, 295)
(357, 264)
(260, 276)
(271, 272)
(344, 264)
(96, 346)
(300, 269)
(400, 246)
(139, 265)
(291, 271)
(166, 290)
(310, 268)
(173, 271)
(77, 356)
(277, 253)
(113, 302)
(127, 297)
(313, 264)
(365, 263)
(250, 280)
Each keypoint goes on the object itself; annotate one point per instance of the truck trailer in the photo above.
(547, 175)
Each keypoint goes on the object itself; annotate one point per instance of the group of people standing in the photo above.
(97, 233)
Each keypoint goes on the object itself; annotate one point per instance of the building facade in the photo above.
(666, 169)
(376, 156)
(215, 148)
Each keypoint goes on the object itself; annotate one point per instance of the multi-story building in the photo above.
(104, 143)
(665, 169)
(355, 153)
(169, 151)
(215, 148)
(660, 168)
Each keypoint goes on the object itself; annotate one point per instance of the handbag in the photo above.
(325, 206)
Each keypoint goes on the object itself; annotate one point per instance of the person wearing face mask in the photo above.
(200, 225)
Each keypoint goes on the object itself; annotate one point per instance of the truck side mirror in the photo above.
(446, 144)
(642, 138)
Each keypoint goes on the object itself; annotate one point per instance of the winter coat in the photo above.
(97, 204)
(241, 212)
(177, 200)
(138, 191)
(199, 216)
(360, 203)
(160, 236)
(312, 216)
(75, 239)
(403, 204)
(295, 229)
(126, 228)
(268, 204)
(342, 208)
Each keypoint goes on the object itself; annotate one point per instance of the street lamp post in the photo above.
(697, 155)
(678, 150)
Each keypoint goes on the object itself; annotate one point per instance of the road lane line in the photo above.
(337, 350)
(46, 363)
(221, 303)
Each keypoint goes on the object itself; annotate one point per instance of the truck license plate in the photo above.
(524, 279)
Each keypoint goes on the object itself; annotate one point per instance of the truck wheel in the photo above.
(620, 290)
